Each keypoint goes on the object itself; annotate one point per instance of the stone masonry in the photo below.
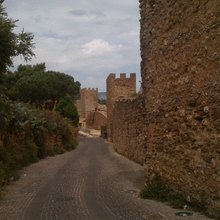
(97, 118)
(88, 102)
(173, 127)
(129, 129)
(117, 89)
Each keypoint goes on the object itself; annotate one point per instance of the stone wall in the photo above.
(180, 109)
(129, 129)
(95, 120)
(118, 88)
(88, 102)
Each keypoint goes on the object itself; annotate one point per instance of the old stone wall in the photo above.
(129, 130)
(118, 88)
(95, 120)
(180, 69)
(88, 102)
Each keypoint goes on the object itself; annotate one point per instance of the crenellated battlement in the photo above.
(112, 76)
(116, 89)
(89, 89)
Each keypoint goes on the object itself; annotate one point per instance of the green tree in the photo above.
(33, 89)
(12, 44)
(25, 70)
(32, 83)
(61, 84)
(77, 90)
(67, 109)
(102, 102)
(11, 78)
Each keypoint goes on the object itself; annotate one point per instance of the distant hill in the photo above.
(102, 95)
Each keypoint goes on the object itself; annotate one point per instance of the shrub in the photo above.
(157, 190)
(67, 109)
(28, 134)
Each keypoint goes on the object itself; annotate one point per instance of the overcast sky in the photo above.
(87, 39)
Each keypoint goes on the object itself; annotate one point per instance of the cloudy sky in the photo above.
(87, 39)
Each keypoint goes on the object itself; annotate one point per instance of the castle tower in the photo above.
(118, 88)
(88, 102)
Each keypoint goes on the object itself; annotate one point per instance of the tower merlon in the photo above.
(122, 75)
(111, 76)
(132, 75)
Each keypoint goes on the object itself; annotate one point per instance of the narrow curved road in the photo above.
(90, 183)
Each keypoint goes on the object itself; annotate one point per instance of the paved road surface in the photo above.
(90, 183)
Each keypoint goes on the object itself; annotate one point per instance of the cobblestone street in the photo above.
(92, 182)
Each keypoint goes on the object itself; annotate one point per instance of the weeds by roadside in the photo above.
(157, 190)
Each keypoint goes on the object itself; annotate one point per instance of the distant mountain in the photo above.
(102, 95)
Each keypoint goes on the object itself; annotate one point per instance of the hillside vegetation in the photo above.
(27, 135)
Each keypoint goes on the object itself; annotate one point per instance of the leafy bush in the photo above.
(158, 190)
(28, 134)
(67, 109)
(155, 190)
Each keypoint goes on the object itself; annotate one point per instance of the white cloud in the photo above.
(86, 39)
(99, 47)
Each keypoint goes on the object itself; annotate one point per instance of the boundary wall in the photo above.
(129, 129)
(96, 120)
(117, 89)
(174, 127)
